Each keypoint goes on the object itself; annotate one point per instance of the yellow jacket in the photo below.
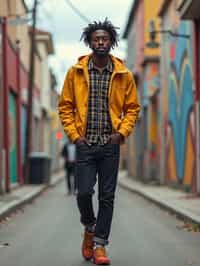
(73, 102)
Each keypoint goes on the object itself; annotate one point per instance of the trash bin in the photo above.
(39, 168)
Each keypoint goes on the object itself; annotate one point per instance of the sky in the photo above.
(57, 17)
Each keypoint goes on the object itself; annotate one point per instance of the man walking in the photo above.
(98, 108)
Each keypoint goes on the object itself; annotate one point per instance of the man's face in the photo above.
(100, 42)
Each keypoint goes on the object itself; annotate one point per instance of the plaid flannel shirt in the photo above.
(99, 126)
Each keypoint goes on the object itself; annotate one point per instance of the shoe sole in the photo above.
(101, 263)
(87, 259)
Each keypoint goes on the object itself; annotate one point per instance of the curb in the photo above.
(16, 204)
(180, 214)
(13, 206)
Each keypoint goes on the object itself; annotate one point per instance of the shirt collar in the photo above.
(108, 67)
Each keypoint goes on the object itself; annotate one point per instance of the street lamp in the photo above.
(152, 35)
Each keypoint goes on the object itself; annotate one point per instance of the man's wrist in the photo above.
(122, 138)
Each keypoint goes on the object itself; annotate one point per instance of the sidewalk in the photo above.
(24, 194)
(184, 205)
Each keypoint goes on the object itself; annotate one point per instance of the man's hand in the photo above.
(116, 138)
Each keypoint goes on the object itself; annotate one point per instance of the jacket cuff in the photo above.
(123, 132)
(74, 137)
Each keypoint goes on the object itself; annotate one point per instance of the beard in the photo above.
(101, 52)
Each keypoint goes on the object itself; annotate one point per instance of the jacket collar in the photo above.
(119, 66)
(108, 67)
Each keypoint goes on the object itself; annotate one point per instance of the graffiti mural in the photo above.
(179, 109)
(151, 87)
(13, 138)
(150, 90)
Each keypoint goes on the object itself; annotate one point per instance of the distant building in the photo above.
(143, 54)
(164, 55)
(14, 83)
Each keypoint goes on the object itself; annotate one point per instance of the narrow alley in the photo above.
(107, 91)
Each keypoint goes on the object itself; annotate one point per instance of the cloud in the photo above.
(67, 25)
(67, 54)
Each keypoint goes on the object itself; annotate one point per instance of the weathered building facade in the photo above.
(178, 98)
(143, 59)
(14, 82)
(167, 137)
(190, 10)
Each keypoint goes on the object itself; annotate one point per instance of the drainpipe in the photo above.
(5, 100)
(19, 144)
(1, 115)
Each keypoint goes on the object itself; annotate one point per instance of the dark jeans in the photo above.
(92, 161)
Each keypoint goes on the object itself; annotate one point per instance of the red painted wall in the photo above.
(17, 78)
(11, 67)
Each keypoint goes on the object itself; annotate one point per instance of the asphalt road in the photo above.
(47, 233)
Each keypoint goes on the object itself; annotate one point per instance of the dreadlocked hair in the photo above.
(105, 25)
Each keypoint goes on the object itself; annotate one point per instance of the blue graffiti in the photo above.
(182, 44)
(147, 84)
(179, 110)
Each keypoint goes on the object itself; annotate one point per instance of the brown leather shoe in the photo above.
(87, 245)
(100, 257)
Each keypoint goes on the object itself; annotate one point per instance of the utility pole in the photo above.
(30, 93)
(5, 155)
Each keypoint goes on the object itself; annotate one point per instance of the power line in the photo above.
(77, 11)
